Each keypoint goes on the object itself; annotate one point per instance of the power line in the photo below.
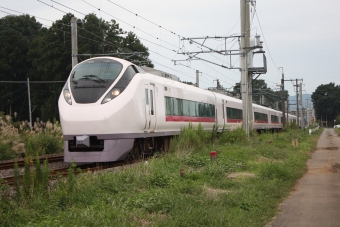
(127, 23)
(104, 41)
(143, 18)
(135, 27)
(67, 7)
(11, 93)
(32, 82)
(51, 6)
(265, 39)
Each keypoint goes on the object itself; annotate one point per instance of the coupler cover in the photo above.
(82, 141)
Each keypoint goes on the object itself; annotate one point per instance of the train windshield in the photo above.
(99, 70)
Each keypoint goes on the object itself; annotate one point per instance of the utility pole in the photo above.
(302, 112)
(197, 79)
(74, 41)
(297, 103)
(246, 78)
(29, 102)
(283, 98)
(247, 69)
(297, 96)
(287, 119)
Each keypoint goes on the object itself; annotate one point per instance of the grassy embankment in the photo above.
(242, 187)
(17, 140)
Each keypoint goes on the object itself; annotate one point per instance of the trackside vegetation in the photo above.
(18, 140)
(243, 186)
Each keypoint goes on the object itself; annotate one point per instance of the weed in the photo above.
(17, 182)
(17, 140)
(196, 161)
(158, 180)
(71, 179)
(153, 201)
(233, 136)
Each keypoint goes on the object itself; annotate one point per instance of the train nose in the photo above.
(82, 141)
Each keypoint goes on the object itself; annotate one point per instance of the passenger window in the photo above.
(126, 78)
(151, 100)
(146, 97)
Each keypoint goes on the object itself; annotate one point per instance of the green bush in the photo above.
(6, 151)
(275, 171)
(190, 138)
(158, 180)
(152, 201)
(196, 161)
(233, 136)
(44, 144)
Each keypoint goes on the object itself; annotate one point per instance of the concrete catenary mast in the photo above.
(246, 77)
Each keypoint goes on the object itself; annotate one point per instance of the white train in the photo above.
(110, 107)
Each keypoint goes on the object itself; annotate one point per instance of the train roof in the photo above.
(160, 73)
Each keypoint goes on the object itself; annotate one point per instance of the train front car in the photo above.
(93, 105)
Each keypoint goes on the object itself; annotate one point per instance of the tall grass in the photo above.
(242, 187)
(17, 140)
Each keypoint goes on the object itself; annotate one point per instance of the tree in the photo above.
(326, 101)
(16, 35)
(260, 90)
(50, 53)
(132, 44)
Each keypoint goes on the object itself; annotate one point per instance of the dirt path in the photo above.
(315, 200)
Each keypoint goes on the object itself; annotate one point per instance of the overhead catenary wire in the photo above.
(93, 41)
(52, 6)
(115, 45)
(12, 100)
(150, 21)
(100, 10)
(264, 39)
(133, 27)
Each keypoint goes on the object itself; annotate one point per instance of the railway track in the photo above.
(64, 171)
(21, 163)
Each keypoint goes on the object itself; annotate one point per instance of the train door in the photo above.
(150, 119)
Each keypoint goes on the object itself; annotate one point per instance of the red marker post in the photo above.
(212, 155)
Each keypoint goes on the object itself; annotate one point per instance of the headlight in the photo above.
(67, 96)
(115, 92)
(111, 95)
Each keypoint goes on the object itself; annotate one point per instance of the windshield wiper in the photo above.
(94, 78)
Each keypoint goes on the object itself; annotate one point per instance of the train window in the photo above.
(168, 106)
(175, 105)
(233, 113)
(126, 78)
(97, 69)
(274, 119)
(146, 97)
(120, 86)
(206, 107)
(201, 109)
(181, 107)
(192, 109)
(186, 108)
(151, 101)
(211, 110)
(261, 117)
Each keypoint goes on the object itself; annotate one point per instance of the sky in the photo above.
(301, 36)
